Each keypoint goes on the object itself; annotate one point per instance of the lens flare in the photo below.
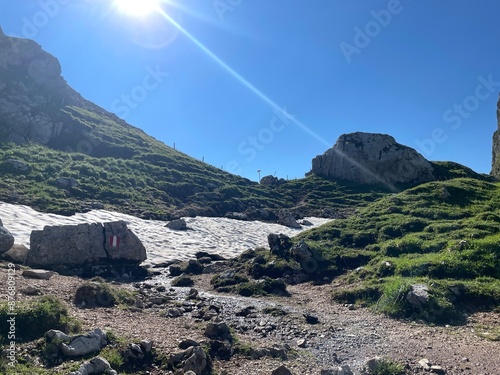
(138, 8)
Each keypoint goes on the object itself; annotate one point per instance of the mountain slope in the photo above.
(62, 153)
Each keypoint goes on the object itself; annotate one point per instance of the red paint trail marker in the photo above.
(114, 241)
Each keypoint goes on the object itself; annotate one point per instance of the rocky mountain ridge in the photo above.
(64, 154)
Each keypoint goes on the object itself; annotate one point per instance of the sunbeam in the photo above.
(263, 96)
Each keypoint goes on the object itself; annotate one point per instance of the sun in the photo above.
(138, 8)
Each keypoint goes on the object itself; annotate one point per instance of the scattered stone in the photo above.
(17, 254)
(38, 274)
(6, 240)
(134, 352)
(371, 364)
(425, 364)
(31, 291)
(418, 295)
(205, 260)
(282, 370)
(246, 311)
(146, 346)
(175, 270)
(218, 331)
(220, 350)
(179, 224)
(306, 223)
(301, 252)
(301, 343)
(93, 294)
(187, 343)
(193, 293)
(182, 281)
(64, 182)
(174, 313)
(288, 220)
(194, 267)
(438, 369)
(192, 359)
(311, 319)
(97, 365)
(344, 370)
(213, 257)
(77, 346)
(279, 244)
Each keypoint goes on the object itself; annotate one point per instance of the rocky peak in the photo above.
(32, 92)
(496, 145)
(371, 158)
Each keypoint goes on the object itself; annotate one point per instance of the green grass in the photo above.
(387, 367)
(160, 183)
(37, 316)
(444, 234)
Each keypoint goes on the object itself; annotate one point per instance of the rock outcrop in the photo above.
(6, 239)
(75, 245)
(26, 112)
(496, 146)
(37, 105)
(370, 158)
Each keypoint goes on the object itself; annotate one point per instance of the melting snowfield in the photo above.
(227, 237)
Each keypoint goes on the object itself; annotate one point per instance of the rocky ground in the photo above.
(307, 332)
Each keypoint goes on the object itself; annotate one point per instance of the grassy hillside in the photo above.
(159, 182)
(443, 234)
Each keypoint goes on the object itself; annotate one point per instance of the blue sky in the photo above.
(303, 73)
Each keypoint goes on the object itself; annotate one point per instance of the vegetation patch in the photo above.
(386, 367)
(99, 293)
(37, 316)
(443, 234)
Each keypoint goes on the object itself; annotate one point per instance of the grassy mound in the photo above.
(442, 234)
(36, 317)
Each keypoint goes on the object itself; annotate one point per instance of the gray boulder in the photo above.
(192, 359)
(77, 346)
(418, 295)
(38, 274)
(6, 240)
(218, 331)
(370, 158)
(271, 180)
(15, 165)
(67, 182)
(17, 254)
(179, 224)
(301, 252)
(97, 365)
(282, 370)
(288, 220)
(279, 244)
(75, 245)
